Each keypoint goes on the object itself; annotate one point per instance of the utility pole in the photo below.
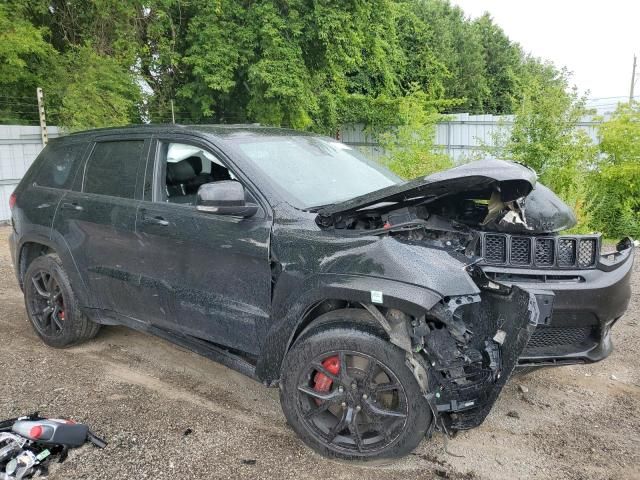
(41, 114)
(173, 116)
(633, 78)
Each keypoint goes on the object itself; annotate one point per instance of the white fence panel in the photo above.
(461, 136)
(19, 146)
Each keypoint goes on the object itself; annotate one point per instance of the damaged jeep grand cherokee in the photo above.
(383, 310)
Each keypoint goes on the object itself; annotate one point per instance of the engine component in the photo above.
(28, 443)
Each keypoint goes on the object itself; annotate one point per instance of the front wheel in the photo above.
(349, 395)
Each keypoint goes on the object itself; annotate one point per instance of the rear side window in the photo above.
(59, 165)
(113, 167)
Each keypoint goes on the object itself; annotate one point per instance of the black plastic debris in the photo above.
(30, 443)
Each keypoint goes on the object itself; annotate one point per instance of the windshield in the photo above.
(315, 171)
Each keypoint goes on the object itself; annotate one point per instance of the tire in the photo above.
(52, 306)
(394, 420)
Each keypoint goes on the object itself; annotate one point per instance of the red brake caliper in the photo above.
(321, 382)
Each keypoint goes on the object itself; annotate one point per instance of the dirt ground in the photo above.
(144, 396)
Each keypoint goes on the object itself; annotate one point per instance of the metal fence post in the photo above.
(43, 119)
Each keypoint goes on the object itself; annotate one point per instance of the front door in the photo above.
(213, 268)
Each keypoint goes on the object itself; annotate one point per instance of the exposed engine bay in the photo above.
(505, 197)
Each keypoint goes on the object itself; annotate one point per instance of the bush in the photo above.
(546, 136)
(410, 149)
(614, 185)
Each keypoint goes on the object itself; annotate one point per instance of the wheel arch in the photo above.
(326, 293)
(31, 247)
(28, 252)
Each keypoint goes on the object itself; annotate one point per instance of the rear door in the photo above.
(97, 221)
(213, 268)
(51, 175)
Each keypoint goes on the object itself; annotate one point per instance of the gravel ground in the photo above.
(145, 395)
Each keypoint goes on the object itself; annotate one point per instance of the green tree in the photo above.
(410, 144)
(444, 53)
(27, 60)
(95, 91)
(615, 183)
(307, 64)
(503, 66)
(546, 135)
(80, 53)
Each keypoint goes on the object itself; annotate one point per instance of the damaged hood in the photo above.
(545, 212)
(517, 203)
(511, 180)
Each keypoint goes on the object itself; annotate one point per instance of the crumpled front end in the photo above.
(469, 372)
(471, 345)
(500, 227)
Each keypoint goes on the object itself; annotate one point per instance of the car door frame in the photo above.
(77, 191)
(146, 137)
(154, 182)
(153, 175)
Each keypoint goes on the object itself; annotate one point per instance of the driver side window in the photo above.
(185, 168)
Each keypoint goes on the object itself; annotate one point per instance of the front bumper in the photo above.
(586, 305)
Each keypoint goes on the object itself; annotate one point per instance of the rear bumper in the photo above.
(587, 303)
(13, 248)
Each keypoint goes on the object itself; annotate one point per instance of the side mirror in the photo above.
(226, 197)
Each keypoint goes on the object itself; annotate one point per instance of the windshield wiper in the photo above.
(316, 208)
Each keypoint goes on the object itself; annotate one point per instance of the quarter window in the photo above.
(113, 167)
(58, 165)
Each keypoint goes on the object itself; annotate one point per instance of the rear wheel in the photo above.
(349, 395)
(52, 306)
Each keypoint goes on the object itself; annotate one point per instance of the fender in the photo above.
(292, 300)
(57, 243)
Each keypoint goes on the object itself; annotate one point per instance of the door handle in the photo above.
(72, 206)
(154, 220)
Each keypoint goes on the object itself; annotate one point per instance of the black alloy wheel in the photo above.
(349, 394)
(362, 407)
(46, 304)
(52, 306)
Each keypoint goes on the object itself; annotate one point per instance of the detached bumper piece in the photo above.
(29, 443)
(469, 370)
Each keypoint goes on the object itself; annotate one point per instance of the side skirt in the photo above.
(210, 350)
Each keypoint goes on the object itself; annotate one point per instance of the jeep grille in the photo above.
(577, 252)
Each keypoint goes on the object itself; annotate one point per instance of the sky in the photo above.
(594, 39)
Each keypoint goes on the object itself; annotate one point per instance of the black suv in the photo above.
(382, 309)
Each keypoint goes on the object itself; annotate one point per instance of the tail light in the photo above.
(12, 200)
